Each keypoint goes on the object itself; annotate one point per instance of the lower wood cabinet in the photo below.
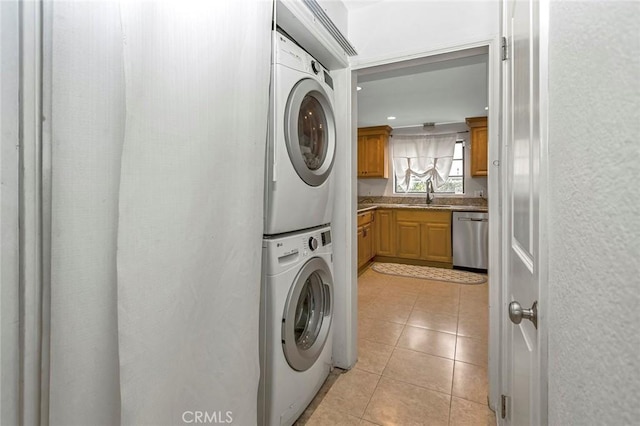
(408, 238)
(384, 232)
(414, 234)
(366, 238)
(436, 242)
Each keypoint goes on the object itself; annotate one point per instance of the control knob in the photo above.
(313, 243)
(315, 67)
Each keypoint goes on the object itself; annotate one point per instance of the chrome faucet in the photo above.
(429, 192)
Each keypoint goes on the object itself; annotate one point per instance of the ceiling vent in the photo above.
(326, 22)
(428, 125)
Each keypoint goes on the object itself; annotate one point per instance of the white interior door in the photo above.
(523, 372)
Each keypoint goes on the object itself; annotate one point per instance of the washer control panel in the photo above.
(283, 251)
(312, 242)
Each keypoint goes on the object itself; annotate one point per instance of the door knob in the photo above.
(516, 313)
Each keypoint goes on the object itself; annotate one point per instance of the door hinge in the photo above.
(504, 49)
(503, 406)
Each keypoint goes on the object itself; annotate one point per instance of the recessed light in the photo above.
(391, 118)
(359, 88)
(486, 108)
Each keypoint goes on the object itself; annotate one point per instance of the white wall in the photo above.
(345, 312)
(379, 187)
(398, 28)
(594, 215)
(395, 30)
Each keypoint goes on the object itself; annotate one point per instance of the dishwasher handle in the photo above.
(469, 219)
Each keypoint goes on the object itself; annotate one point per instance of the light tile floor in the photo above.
(422, 356)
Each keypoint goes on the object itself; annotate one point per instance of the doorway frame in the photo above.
(494, 179)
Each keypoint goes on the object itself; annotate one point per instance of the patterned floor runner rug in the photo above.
(429, 273)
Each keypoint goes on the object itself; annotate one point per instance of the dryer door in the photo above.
(310, 131)
(307, 314)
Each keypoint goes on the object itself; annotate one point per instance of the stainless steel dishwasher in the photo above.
(470, 240)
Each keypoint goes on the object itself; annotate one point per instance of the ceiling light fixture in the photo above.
(486, 108)
(359, 88)
(391, 118)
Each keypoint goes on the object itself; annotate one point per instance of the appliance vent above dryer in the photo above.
(326, 22)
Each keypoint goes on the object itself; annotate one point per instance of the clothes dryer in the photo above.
(302, 141)
(295, 323)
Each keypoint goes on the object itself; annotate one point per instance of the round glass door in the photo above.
(307, 315)
(310, 132)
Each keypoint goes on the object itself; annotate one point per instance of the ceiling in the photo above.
(441, 92)
(357, 4)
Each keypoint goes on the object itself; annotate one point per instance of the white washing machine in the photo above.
(295, 323)
(302, 141)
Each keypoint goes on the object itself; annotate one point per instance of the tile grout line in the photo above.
(455, 353)
(379, 298)
(374, 390)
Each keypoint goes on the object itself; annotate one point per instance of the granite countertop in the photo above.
(418, 203)
(458, 208)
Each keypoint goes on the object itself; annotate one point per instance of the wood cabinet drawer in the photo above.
(366, 217)
(430, 216)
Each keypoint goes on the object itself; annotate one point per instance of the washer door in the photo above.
(310, 131)
(307, 315)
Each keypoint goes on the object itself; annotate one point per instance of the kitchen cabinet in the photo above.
(408, 238)
(478, 139)
(436, 239)
(366, 238)
(373, 152)
(384, 232)
(424, 235)
(420, 236)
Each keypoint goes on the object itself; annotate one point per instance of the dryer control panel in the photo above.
(289, 54)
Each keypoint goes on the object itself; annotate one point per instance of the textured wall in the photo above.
(594, 217)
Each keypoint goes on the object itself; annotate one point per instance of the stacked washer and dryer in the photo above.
(297, 274)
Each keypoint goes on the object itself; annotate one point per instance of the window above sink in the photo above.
(453, 185)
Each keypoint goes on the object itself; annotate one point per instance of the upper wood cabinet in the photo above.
(373, 152)
(479, 158)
